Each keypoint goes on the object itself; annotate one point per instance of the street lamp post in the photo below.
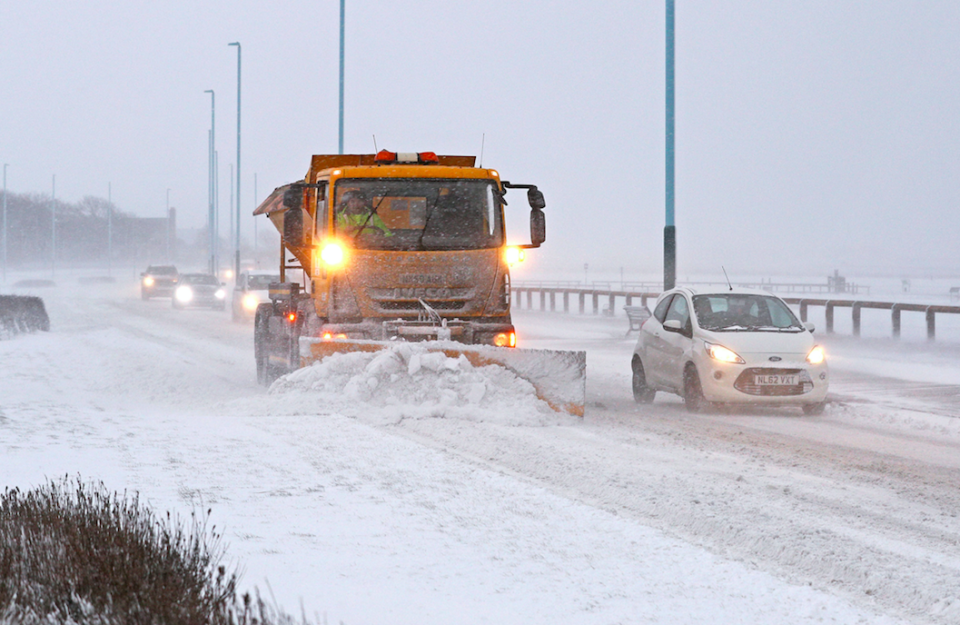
(5, 165)
(53, 228)
(343, 9)
(109, 229)
(167, 239)
(211, 138)
(670, 229)
(237, 241)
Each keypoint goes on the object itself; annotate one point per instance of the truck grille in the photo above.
(415, 306)
(746, 383)
(404, 299)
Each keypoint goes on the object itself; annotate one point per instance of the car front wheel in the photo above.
(692, 390)
(642, 394)
(814, 409)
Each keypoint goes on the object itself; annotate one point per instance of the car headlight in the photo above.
(220, 294)
(721, 353)
(250, 302)
(148, 281)
(816, 355)
(184, 294)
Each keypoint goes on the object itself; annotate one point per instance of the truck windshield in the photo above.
(407, 214)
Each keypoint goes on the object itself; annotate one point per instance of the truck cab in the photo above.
(394, 246)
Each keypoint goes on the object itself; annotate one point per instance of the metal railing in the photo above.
(548, 296)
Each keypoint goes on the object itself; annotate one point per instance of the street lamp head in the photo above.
(209, 91)
(235, 43)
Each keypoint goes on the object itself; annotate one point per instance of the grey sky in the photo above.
(811, 135)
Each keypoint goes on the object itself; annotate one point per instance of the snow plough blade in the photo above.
(558, 377)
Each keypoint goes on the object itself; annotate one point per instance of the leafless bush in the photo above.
(75, 553)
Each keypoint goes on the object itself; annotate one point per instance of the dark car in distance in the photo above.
(199, 289)
(158, 280)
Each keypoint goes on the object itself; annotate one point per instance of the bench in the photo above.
(636, 315)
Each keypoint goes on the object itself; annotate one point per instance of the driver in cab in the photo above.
(355, 215)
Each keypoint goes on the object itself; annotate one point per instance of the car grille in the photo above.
(746, 383)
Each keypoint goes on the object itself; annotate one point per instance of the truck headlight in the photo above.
(250, 302)
(332, 254)
(513, 255)
(148, 281)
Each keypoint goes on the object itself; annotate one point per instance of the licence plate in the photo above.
(776, 380)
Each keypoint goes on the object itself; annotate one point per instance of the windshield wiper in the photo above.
(367, 220)
(426, 222)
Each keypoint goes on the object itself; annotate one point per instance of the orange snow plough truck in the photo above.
(402, 247)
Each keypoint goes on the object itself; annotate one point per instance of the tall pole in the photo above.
(230, 209)
(211, 137)
(109, 228)
(254, 219)
(53, 228)
(167, 239)
(237, 240)
(343, 9)
(216, 203)
(670, 229)
(5, 165)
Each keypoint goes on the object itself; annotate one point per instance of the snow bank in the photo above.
(406, 381)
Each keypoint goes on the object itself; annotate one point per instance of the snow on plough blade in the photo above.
(559, 377)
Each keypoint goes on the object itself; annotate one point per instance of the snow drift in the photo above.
(413, 381)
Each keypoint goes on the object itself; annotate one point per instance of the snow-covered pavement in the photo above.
(632, 515)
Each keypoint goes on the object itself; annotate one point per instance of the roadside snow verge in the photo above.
(406, 381)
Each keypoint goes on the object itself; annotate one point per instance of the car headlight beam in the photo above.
(184, 294)
(722, 354)
(816, 355)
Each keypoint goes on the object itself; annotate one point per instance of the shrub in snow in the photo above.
(74, 553)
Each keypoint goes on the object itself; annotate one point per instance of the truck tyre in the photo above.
(693, 398)
(261, 342)
(642, 394)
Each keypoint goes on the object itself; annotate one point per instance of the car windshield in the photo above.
(200, 279)
(738, 312)
(419, 214)
(162, 271)
(261, 283)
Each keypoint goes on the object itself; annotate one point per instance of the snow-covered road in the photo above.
(633, 515)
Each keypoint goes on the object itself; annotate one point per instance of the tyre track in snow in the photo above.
(855, 502)
(879, 529)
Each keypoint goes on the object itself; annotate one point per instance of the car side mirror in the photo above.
(809, 327)
(673, 325)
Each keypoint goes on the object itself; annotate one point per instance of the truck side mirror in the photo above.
(293, 198)
(538, 226)
(293, 226)
(535, 198)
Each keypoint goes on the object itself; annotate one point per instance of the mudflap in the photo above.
(559, 377)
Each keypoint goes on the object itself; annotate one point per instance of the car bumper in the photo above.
(729, 383)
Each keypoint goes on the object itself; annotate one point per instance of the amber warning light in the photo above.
(421, 158)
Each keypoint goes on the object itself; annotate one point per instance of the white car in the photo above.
(740, 346)
(251, 290)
